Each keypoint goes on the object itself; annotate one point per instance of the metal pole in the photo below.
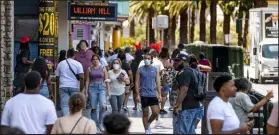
(162, 38)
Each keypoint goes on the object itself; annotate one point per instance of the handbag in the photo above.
(76, 75)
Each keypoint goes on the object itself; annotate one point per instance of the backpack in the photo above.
(201, 89)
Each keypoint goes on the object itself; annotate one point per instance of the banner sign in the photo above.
(271, 25)
(48, 31)
(92, 11)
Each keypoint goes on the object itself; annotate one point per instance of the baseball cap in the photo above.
(24, 39)
(180, 46)
(181, 56)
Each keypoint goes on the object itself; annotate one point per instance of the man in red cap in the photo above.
(22, 63)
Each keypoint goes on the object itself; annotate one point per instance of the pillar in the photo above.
(6, 50)
(47, 31)
(116, 37)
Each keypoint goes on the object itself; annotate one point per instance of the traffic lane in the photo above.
(262, 88)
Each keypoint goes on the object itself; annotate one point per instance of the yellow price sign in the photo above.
(47, 24)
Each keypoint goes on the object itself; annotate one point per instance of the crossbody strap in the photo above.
(70, 67)
(75, 125)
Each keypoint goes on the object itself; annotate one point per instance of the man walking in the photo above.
(30, 111)
(147, 82)
(187, 106)
(69, 79)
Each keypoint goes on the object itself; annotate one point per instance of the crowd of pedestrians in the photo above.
(90, 78)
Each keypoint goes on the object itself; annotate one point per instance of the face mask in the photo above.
(147, 62)
(116, 66)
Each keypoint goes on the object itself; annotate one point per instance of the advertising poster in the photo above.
(271, 25)
(48, 31)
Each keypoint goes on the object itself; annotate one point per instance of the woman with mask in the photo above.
(97, 85)
(118, 80)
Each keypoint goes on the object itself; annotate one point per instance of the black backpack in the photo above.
(201, 89)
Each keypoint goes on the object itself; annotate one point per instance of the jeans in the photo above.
(184, 122)
(44, 90)
(65, 94)
(97, 95)
(116, 102)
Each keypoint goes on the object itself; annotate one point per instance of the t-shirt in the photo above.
(20, 66)
(84, 58)
(103, 62)
(204, 62)
(30, 113)
(273, 118)
(220, 110)
(148, 81)
(242, 104)
(156, 63)
(186, 78)
(117, 87)
(66, 76)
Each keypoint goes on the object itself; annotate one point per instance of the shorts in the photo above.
(200, 112)
(127, 89)
(148, 101)
(166, 88)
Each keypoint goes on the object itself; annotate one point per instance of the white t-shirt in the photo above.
(273, 118)
(220, 110)
(117, 87)
(103, 62)
(66, 76)
(30, 113)
(156, 63)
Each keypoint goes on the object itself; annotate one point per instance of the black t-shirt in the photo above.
(20, 66)
(186, 78)
(126, 66)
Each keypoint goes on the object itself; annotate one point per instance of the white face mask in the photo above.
(116, 66)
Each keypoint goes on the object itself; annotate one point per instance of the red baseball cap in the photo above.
(24, 39)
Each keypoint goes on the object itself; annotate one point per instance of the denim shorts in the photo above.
(97, 94)
(201, 112)
(184, 122)
(166, 88)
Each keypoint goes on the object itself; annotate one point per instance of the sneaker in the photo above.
(135, 108)
(149, 129)
(158, 123)
(125, 108)
(163, 112)
(101, 127)
(171, 109)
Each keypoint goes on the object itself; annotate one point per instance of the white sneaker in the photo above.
(158, 123)
(149, 129)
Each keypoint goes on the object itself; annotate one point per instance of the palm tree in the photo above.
(132, 27)
(240, 17)
(247, 5)
(213, 21)
(6, 35)
(193, 23)
(227, 7)
(202, 21)
(260, 3)
(140, 9)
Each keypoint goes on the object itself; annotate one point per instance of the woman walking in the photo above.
(40, 65)
(97, 85)
(118, 80)
(75, 123)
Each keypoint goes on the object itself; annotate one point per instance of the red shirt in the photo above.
(205, 62)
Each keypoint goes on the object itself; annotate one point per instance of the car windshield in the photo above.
(270, 51)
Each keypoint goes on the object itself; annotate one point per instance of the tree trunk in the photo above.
(226, 26)
(151, 33)
(260, 3)
(6, 49)
(172, 31)
(183, 29)
(166, 35)
(193, 23)
(213, 21)
(246, 26)
(240, 16)
(132, 27)
(202, 21)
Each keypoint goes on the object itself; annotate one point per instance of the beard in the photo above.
(179, 67)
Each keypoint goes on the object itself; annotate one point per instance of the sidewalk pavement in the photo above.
(136, 120)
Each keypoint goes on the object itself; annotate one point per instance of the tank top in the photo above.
(96, 75)
(148, 81)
